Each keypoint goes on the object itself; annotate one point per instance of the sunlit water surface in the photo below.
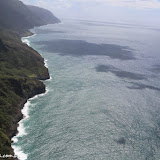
(103, 99)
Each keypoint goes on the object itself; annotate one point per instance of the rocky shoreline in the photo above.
(17, 89)
(21, 67)
(19, 116)
(35, 91)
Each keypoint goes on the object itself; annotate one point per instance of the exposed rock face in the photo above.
(2, 46)
(21, 67)
(44, 76)
(25, 91)
(14, 93)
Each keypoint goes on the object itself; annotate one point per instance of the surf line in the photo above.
(25, 39)
(21, 129)
(25, 111)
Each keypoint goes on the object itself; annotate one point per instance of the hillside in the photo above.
(44, 15)
(17, 59)
(21, 67)
(16, 15)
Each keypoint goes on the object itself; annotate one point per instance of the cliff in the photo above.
(18, 16)
(14, 92)
(45, 15)
(21, 67)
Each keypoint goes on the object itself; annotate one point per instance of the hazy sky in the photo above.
(132, 11)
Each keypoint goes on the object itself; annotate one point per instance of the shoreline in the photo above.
(25, 39)
(19, 130)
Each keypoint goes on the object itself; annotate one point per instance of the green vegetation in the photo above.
(18, 16)
(20, 69)
(4, 143)
(19, 59)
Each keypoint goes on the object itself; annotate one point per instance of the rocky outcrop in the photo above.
(44, 76)
(14, 93)
(29, 93)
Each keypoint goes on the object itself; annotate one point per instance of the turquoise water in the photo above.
(102, 100)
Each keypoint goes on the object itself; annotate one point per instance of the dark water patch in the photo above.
(109, 25)
(121, 141)
(141, 86)
(46, 31)
(120, 73)
(118, 25)
(156, 68)
(105, 111)
(83, 48)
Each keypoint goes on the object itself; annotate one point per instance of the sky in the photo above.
(145, 12)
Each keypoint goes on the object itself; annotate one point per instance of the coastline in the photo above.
(18, 128)
(21, 129)
(25, 39)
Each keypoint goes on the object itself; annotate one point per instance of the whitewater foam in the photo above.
(30, 36)
(21, 129)
(45, 63)
(49, 78)
(25, 111)
(26, 41)
(21, 132)
(20, 154)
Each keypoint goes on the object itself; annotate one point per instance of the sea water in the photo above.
(103, 99)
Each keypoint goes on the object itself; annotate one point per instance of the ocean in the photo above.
(103, 98)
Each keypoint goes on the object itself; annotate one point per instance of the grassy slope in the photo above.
(20, 69)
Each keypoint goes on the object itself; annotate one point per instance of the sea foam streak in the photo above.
(25, 39)
(21, 130)
(25, 111)
(45, 63)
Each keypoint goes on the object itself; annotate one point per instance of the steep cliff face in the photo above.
(21, 67)
(45, 15)
(14, 92)
(17, 59)
(15, 15)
